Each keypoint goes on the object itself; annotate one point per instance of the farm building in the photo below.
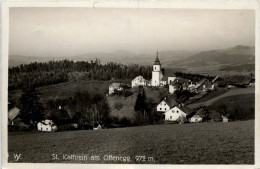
(139, 81)
(177, 112)
(14, 119)
(252, 83)
(166, 104)
(115, 87)
(12, 115)
(197, 116)
(171, 79)
(46, 125)
(222, 84)
(239, 81)
(225, 119)
(203, 85)
(97, 127)
(174, 86)
(58, 116)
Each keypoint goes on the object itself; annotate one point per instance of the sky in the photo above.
(76, 31)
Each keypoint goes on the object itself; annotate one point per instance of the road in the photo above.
(232, 92)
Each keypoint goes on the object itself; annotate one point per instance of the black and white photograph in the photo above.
(118, 85)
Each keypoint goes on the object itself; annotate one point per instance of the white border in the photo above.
(178, 4)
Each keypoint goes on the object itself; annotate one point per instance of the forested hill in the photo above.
(46, 73)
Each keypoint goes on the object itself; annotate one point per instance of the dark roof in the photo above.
(201, 112)
(204, 80)
(13, 113)
(185, 109)
(157, 62)
(222, 83)
(181, 80)
(239, 80)
(170, 100)
(165, 78)
(116, 85)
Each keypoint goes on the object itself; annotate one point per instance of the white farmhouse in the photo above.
(46, 125)
(174, 86)
(177, 112)
(196, 118)
(115, 86)
(166, 104)
(139, 81)
(171, 79)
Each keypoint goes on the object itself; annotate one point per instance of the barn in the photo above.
(203, 85)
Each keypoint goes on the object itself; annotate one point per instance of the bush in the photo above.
(118, 105)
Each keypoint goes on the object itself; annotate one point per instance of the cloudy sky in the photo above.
(76, 31)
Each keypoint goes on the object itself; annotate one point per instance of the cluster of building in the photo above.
(158, 79)
(172, 110)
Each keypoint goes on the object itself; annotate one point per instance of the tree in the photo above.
(141, 105)
(31, 108)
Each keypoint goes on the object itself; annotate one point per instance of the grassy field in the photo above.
(128, 103)
(64, 90)
(201, 143)
(239, 92)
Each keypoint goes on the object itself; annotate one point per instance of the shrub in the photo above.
(118, 105)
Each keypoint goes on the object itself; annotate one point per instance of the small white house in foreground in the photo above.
(46, 125)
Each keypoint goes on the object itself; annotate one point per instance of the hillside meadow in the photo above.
(200, 143)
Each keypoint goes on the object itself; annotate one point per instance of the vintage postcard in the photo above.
(130, 84)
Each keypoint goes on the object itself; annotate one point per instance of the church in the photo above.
(158, 79)
(157, 74)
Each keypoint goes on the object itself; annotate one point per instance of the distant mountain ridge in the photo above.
(124, 57)
(241, 58)
(230, 56)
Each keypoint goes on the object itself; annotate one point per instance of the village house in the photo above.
(222, 84)
(174, 86)
(166, 104)
(115, 87)
(46, 125)
(171, 79)
(139, 81)
(177, 112)
(14, 119)
(13, 113)
(225, 119)
(180, 84)
(203, 86)
(97, 127)
(198, 116)
(240, 81)
(59, 116)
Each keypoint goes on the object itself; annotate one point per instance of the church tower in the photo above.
(157, 73)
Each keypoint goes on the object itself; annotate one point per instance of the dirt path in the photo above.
(232, 92)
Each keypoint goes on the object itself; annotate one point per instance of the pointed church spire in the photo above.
(157, 62)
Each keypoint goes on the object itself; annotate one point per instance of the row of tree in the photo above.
(85, 108)
(52, 72)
